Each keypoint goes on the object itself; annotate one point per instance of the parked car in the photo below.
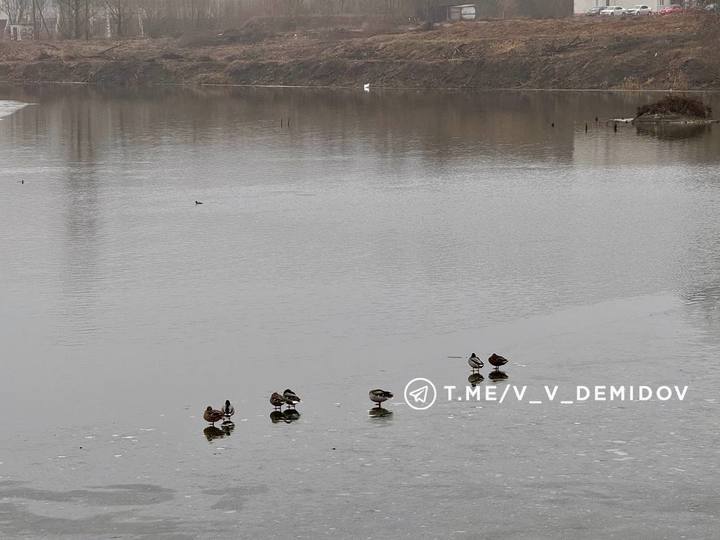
(612, 11)
(669, 10)
(595, 10)
(639, 10)
(713, 8)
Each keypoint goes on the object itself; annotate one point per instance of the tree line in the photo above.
(85, 19)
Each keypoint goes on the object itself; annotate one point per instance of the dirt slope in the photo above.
(660, 52)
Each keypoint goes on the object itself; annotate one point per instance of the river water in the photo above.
(350, 241)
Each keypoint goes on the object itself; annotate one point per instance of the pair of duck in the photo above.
(495, 360)
(475, 364)
(215, 415)
(288, 397)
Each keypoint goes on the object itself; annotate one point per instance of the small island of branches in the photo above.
(675, 109)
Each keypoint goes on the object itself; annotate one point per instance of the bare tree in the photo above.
(73, 18)
(123, 18)
(120, 12)
(17, 10)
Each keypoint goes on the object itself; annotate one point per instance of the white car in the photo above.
(639, 10)
(612, 11)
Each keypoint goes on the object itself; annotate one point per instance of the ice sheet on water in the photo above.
(9, 107)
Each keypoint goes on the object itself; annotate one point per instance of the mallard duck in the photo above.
(291, 397)
(278, 400)
(474, 362)
(497, 360)
(228, 410)
(379, 396)
(212, 415)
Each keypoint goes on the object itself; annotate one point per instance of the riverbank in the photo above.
(661, 53)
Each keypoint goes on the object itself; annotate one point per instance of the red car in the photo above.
(674, 8)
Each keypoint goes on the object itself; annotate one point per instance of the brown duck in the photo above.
(379, 396)
(497, 360)
(278, 400)
(212, 415)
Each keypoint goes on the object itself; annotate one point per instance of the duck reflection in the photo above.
(475, 378)
(497, 375)
(379, 412)
(672, 131)
(291, 415)
(212, 432)
(277, 416)
(288, 416)
(227, 427)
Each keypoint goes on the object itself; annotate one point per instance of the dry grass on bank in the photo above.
(671, 52)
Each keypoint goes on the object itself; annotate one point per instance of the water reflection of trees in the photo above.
(436, 128)
(80, 129)
(64, 136)
(673, 132)
(73, 131)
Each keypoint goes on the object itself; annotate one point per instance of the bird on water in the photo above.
(228, 410)
(198, 202)
(212, 415)
(291, 397)
(278, 400)
(474, 362)
(379, 396)
(496, 360)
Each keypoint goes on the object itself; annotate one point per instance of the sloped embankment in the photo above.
(673, 52)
